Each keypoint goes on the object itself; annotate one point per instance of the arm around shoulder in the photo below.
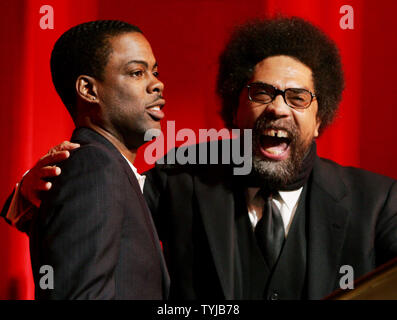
(17, 211)
(77, 231)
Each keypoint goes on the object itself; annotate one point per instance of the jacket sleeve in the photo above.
(6, 207)
(78, 228)
(386, 228)
(17, 211)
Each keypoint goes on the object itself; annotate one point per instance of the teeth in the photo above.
(155, 108)
(276, 133)
(274, 151)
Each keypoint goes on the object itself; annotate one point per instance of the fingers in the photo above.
(57, 154)
(66, 145)
(34, 181)
(42, 185)
(30, 188)
(49, 171)
(53, 158)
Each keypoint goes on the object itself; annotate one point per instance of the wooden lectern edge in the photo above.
(361, 282)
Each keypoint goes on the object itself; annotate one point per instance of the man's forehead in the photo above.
(131, 48)
(140, 62)
(283, 71)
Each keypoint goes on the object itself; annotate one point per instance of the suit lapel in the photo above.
(328, 217)
(87, 135)
(149, 220)
(216, 205)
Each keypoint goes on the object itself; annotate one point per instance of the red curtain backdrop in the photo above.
(187, 37)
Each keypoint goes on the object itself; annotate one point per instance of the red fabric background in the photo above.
(187, 37)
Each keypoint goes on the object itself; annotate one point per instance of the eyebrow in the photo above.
(142, 62)
(261, 82)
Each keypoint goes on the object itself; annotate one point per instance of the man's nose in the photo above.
(278, 108)
(156, 86)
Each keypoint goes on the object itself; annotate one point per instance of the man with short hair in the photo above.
(93, 227)
(285, 230)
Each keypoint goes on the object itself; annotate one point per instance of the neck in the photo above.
(130, 154)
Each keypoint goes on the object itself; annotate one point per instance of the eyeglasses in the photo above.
(295, 98)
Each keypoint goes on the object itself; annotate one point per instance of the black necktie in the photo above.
(269, 232)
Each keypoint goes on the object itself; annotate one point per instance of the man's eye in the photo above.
(156, 74)
(262, 93)
(138, 73)
(297, 98)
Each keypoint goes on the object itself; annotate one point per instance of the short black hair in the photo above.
(83, 49)
(256, 40)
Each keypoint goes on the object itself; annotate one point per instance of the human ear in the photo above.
(86, 88)
(317, 128)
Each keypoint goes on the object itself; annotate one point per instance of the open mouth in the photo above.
(275, 144)
(155, 110)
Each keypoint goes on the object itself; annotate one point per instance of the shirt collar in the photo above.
(290, 198)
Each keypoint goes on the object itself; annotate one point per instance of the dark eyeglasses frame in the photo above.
(279, 92)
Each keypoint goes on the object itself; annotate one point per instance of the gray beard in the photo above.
(276, 175)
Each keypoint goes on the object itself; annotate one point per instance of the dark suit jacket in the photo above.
(352, 220)
(95, 229)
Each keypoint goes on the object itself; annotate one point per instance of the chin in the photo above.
(275, 174)
(156, 125)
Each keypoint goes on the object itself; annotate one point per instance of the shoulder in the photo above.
(213, 156)
(95, 150)
(354, 178)
(91, 166)
(91, 156)
(181, 165)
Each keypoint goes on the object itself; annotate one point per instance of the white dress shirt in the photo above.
(286, 202)
(141, 179)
